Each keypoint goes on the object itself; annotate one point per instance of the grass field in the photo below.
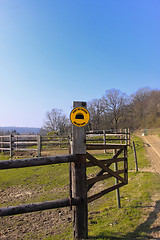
(106, 221)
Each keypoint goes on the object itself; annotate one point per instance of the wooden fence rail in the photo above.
(36, 142)
(121, 135)
(80, 186)
(33, 207)
(31, 143)
(30, 162)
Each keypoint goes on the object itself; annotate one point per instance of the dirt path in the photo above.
(152, 145)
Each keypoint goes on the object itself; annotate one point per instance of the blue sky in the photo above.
(53, 52)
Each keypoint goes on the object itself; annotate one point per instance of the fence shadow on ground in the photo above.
(142, 232)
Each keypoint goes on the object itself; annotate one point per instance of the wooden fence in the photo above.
(121, 136)
(28, 143)
(80, 186)
(19, 143)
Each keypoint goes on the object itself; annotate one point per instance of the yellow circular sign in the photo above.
(79, 116)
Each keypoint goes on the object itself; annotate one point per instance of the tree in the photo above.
(56, 121)
(153, 109)
(114, 103)
(95, 108)
(139, 105)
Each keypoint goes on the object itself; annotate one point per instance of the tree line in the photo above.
(114, 110)
(117, 110)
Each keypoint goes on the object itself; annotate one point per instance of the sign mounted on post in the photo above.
(79, 116)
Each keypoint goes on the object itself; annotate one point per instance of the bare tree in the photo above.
(96, 110)
(56, 121)
(114, 103)
(153, 109)
(139, 105)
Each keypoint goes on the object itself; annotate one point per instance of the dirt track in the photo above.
(152, 145)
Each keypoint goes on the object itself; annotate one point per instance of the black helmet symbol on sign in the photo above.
(79, 116)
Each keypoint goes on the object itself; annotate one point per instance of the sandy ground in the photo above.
(152, 145)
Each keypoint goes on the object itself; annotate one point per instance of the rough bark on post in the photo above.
(78, 172)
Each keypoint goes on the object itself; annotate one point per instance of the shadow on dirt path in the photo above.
(144, 230)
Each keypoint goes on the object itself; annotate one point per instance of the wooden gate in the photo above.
(79, 160)
(121, 175)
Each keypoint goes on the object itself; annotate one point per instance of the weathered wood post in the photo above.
(16, 140)
(10, 140)
(129, 137)
(116, 182)
(121, 138)
(1, 144)
(78, 174)
(135, 157)
(104, 138)
(39, 145)
(125, 164)
(126, 138)
(68, 144)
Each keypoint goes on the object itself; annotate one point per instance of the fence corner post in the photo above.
(78, 172)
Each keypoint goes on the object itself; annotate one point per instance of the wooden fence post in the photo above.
(39, 145)
(104, 138)
(135, 157)
(116, 182)
(121, 141)
(125, 164)
(78, 173)
(1, 144)
(126, 138)
(16, 140)
(10, 140)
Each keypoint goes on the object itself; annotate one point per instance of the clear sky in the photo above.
(53, 52)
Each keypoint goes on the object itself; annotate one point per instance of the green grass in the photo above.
(109, 222)
(43, 178)
(106, 221)
(4, 156)
(141, 154)
(47, 176)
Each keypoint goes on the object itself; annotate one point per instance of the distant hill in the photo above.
(21, 130)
